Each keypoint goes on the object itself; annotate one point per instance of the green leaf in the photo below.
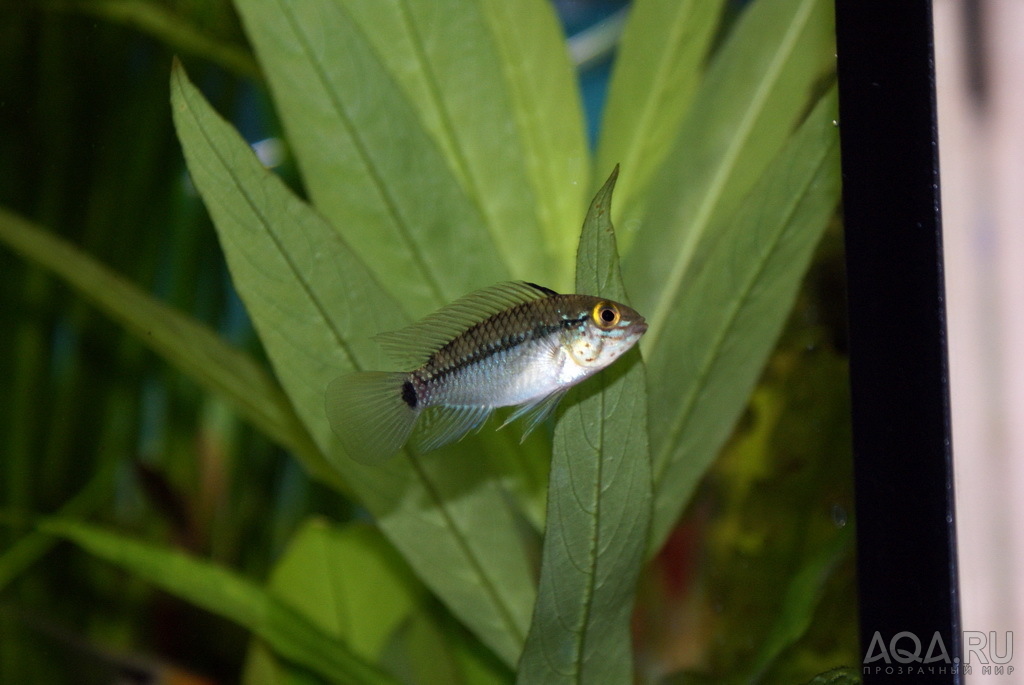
(226, 594)
(496, 92)
(544, 93)
(599, 503)
(348, 582)
(173, 28)
(370, 166)
(727, 314)
(315, 306)
(428, 656)
(656, 72)
(181, 340)
(844, 675)
(799, 604)
(22, 553)
(364, 111)
(759, 85)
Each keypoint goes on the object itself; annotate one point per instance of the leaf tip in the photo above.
(177, 70)
(179, 78)
(609, 185)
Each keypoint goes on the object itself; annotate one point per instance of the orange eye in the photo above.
(605, 314)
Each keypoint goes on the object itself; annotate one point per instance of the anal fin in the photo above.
(442, 425)
(536, 411)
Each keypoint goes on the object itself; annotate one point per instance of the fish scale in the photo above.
(520, 325)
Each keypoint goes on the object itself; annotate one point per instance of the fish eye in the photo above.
(605, 314)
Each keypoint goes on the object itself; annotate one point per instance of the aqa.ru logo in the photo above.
(980, 651)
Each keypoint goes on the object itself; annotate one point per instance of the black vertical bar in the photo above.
(907, 570)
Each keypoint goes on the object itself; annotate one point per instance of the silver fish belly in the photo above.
(513, 344)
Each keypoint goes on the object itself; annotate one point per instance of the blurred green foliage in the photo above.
(94, 425)
(754, 584)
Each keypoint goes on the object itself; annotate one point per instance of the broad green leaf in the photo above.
(543, 90)
(315, 306)
(181, 340)
(429, 648)
(477, 665)
(422, 655)
(504, 112)
(348, 582)
(226, 594)
(657, 70)
(370, 166)
(389, 106)
(599, 503)
(759, 85)
(727, 314)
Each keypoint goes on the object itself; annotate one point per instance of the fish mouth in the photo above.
(640, 327)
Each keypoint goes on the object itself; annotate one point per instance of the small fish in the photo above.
(512, 344)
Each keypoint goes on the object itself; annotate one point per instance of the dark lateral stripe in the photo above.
(483, 353)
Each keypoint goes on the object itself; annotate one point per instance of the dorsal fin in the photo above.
(414, 344)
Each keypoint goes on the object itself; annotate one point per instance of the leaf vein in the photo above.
(386, 196)
(682, 418)
(717, 185)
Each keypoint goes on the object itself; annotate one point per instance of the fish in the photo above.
(513, 344)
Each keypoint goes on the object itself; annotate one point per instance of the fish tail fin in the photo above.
(372, 413)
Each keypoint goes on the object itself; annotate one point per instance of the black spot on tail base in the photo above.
(409, 394)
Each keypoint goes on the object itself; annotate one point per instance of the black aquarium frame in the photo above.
(906, 538)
